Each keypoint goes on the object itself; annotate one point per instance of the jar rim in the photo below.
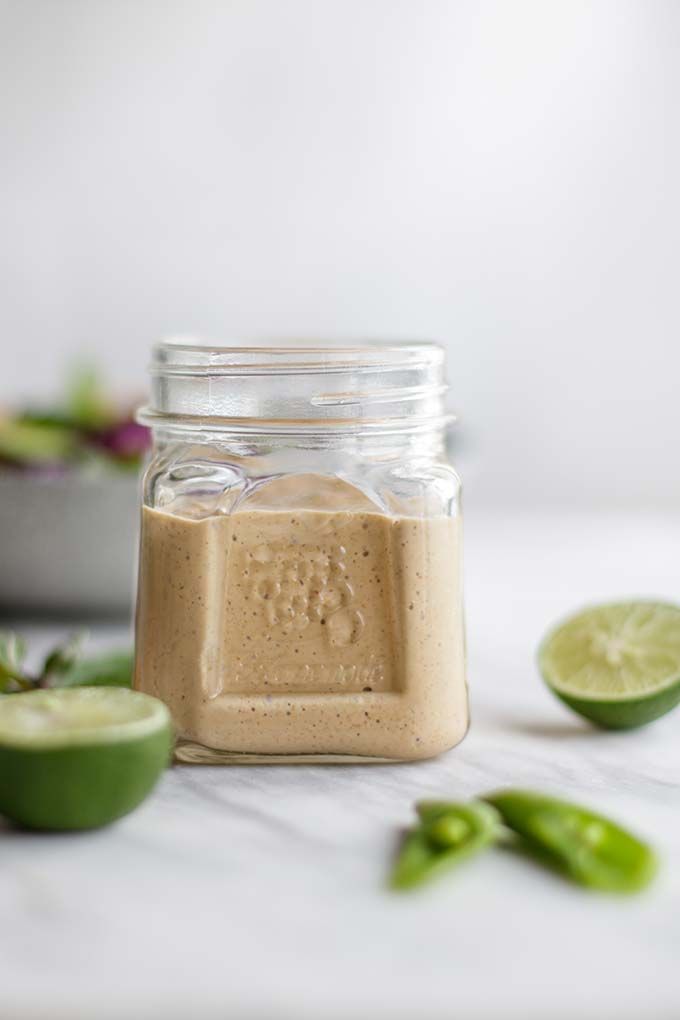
(182, 356)
(371, 384)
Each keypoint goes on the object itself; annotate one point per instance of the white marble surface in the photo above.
(257, 892)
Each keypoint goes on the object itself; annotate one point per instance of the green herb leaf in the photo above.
(586, 847)
(110, 669)
(63, 667)
(62, 659)
(448, 834)
(12, 651)
(12, 655)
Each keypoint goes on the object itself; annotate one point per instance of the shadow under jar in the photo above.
(300, 580)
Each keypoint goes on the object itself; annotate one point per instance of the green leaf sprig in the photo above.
(12, 655)
(63, 666)
(583, 846)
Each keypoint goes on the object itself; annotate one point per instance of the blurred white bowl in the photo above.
(68, 545)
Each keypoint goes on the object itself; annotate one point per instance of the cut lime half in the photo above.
(77, 758)
(618, 664)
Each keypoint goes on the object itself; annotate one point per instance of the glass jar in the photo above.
(299, 589)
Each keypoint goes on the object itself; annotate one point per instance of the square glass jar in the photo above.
(299, 591)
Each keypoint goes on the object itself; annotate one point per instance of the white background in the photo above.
(502, 176)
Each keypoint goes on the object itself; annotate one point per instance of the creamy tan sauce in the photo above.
(288, 632)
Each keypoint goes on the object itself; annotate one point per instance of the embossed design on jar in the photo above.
(297, 677)
(345, 627)
(304, 584)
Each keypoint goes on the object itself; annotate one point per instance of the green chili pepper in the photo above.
(447, 834)
(588, 848)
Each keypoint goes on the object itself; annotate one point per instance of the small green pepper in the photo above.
(585, 846)
(448, 833)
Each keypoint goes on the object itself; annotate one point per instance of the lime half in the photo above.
(77, 758)
(618, 665)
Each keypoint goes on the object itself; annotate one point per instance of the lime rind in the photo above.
(79, 717)
(79, 758)
(623, 714)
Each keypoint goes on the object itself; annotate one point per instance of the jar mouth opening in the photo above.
(184, 357)
(373, 384)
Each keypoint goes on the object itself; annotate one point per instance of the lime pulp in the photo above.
(616, 664)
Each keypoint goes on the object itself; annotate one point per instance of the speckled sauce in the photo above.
(304, 632)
